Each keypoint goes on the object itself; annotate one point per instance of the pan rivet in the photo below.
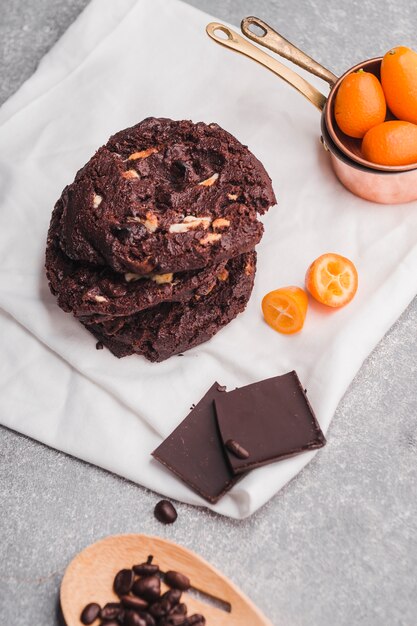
(323, 143)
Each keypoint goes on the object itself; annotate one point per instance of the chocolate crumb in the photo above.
(99, 345)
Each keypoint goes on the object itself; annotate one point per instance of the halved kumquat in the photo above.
(332, 279)
(285, 309)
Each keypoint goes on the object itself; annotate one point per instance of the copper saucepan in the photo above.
(382, 184)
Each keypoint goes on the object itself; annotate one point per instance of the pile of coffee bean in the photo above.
(141, 602)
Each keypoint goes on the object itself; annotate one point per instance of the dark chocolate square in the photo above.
(194, 452)
(271, 420)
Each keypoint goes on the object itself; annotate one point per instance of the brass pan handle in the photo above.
(277, 43)
(236, 42)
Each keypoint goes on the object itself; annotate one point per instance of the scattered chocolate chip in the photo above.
(133, 602)
(99, 345)
(123, 582)
(236, 449)
(90, 613)
(177, 580)
(148, 588)
(165, 512)
(111, 611)
(221, 387)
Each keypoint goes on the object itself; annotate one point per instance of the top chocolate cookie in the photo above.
(165, 196)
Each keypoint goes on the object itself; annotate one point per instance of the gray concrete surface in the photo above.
(338, 545)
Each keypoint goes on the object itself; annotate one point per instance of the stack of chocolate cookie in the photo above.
(152, 246)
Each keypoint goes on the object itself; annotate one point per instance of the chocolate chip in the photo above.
(90, 613)
(99, 345)
(221, 387)
(148, 588)
(123, 582)
(111, 611)
(132, 602)
(177, 580)
(236, 449)
(165, 512)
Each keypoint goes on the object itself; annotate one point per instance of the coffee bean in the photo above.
(111, 611)
(131, 602)
(180, 609)
(134, 619)
(157, 611)
(165, 512)
(173, 596)
(148, 588)
(195, 620)
(146, 607)
(235, 448)
(149, 619)
(175, 620)
(90, 613)
(177, 581)
(123, 582)
(145, 569)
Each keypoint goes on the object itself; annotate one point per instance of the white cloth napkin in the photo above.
(120, 62)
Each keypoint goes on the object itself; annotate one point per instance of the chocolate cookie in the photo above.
(165, 196)
(97, 293)
(171, 328)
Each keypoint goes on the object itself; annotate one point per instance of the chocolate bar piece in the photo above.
(268, 421)
(194, 452)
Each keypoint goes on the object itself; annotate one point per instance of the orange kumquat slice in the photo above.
(332, 280)
(285, 309)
